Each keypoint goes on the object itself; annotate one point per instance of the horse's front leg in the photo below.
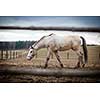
(47, 58)
(58, 58)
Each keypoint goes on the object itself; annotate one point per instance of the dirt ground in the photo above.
(41, 79)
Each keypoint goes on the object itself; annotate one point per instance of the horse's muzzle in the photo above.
(29, 58)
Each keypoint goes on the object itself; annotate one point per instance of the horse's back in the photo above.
(63, 42)
(67, 39)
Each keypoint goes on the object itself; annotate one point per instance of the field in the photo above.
(69, 59)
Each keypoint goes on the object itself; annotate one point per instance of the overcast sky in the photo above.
(75, 21)
(14, 35)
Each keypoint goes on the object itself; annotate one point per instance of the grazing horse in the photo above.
(55, 43)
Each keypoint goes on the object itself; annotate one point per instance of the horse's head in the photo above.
(32, 52)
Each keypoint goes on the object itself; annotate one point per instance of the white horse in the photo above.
(55, 43)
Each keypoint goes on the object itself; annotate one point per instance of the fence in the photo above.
(50, 72)
(8, 54)
(77, 29)
(10, 50)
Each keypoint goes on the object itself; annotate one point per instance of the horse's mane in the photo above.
(42, 39)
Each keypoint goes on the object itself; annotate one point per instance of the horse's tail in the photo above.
(85, 49)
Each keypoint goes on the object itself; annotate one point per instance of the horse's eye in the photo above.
(30, 51)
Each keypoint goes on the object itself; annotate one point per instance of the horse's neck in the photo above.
(40, 45)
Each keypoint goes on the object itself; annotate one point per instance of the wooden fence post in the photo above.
(67, 55)
(6, 54)
(1, 54)
(16, 54)
(13, 54)
(10, 54)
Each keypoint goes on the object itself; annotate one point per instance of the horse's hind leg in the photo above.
(80, 58)
(58, 58)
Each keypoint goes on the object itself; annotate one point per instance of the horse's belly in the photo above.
(64, 48)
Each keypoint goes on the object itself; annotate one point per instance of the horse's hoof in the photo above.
(45, 66)
(78, 65)
(83, 65)
(62, 66)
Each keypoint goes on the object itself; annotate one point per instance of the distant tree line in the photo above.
(23, 44)
(15, 45)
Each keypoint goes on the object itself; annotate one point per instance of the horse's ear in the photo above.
(31, 47)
